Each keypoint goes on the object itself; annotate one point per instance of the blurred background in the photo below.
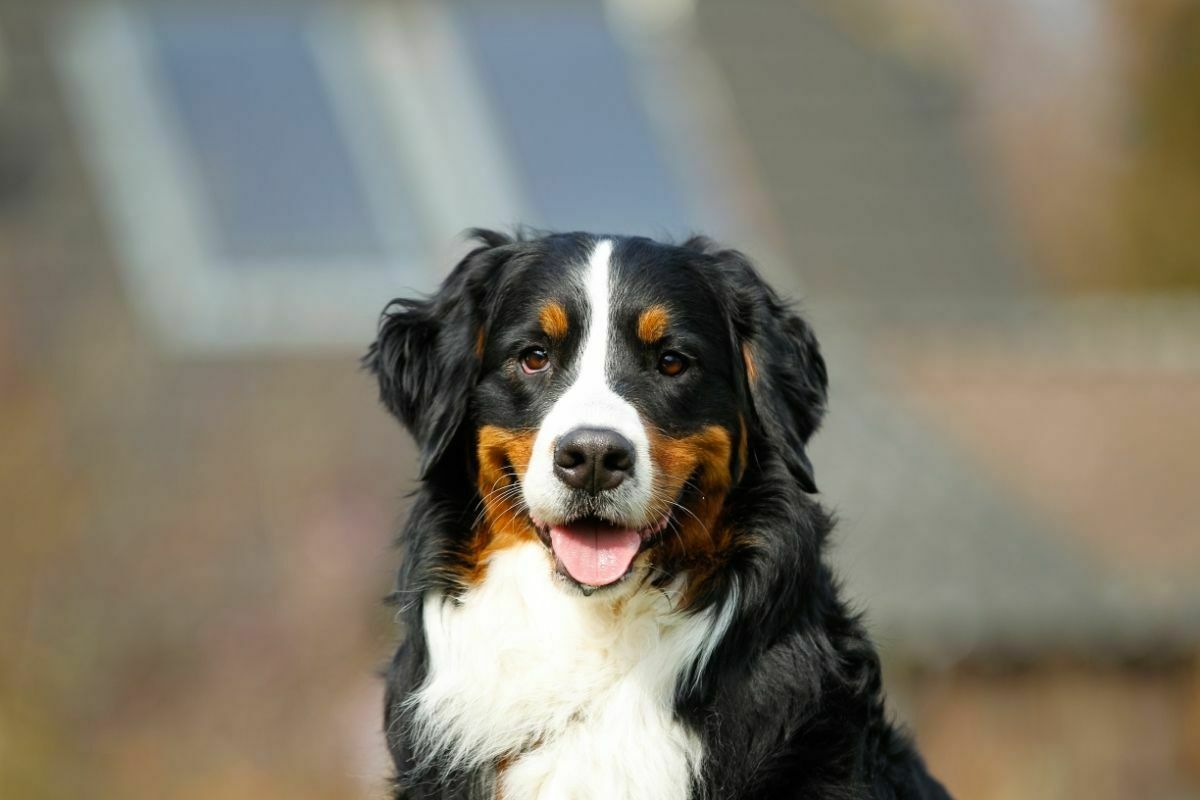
(990, 210)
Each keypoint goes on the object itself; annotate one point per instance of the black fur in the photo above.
(790, 705)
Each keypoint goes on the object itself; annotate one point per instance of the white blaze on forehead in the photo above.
(590, 402)
(595, 348)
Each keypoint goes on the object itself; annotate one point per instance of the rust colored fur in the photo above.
(697, 470)
(652, 324)
(554, 320)
(503, 458)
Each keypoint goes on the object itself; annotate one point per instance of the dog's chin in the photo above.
(593, 554)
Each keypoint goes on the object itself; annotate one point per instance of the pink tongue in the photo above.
(595, 555)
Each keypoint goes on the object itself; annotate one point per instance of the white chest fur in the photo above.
(581, 688)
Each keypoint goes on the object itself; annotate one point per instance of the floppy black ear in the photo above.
(427, 356)
(785, 372)
(789, 386)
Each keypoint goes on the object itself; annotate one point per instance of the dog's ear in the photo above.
(788, 383)
(784, 371)
(427, 355)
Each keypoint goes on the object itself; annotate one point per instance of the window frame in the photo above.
(415, 70)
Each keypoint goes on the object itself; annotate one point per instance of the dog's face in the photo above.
(605, 395)
(608, 394)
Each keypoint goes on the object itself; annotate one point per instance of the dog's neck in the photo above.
(573, 695)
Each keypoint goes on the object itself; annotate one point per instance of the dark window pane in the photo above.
(274, 168)
(562, 91)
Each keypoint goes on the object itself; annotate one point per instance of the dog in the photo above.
(612, 579)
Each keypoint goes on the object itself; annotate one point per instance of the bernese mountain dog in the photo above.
(612, 579)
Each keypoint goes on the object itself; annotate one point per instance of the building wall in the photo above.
(1055, 729)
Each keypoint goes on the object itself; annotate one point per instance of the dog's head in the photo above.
(604, 395)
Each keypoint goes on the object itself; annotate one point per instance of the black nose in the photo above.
(593, 459)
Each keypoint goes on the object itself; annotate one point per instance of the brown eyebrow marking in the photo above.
(553, 318)
(480, 344)
(652, 324)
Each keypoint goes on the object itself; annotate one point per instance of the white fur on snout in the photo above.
(590, 402)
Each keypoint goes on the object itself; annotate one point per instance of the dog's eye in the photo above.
(671, 363)
(534, 359)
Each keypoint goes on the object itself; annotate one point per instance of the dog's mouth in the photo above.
(593, 552)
